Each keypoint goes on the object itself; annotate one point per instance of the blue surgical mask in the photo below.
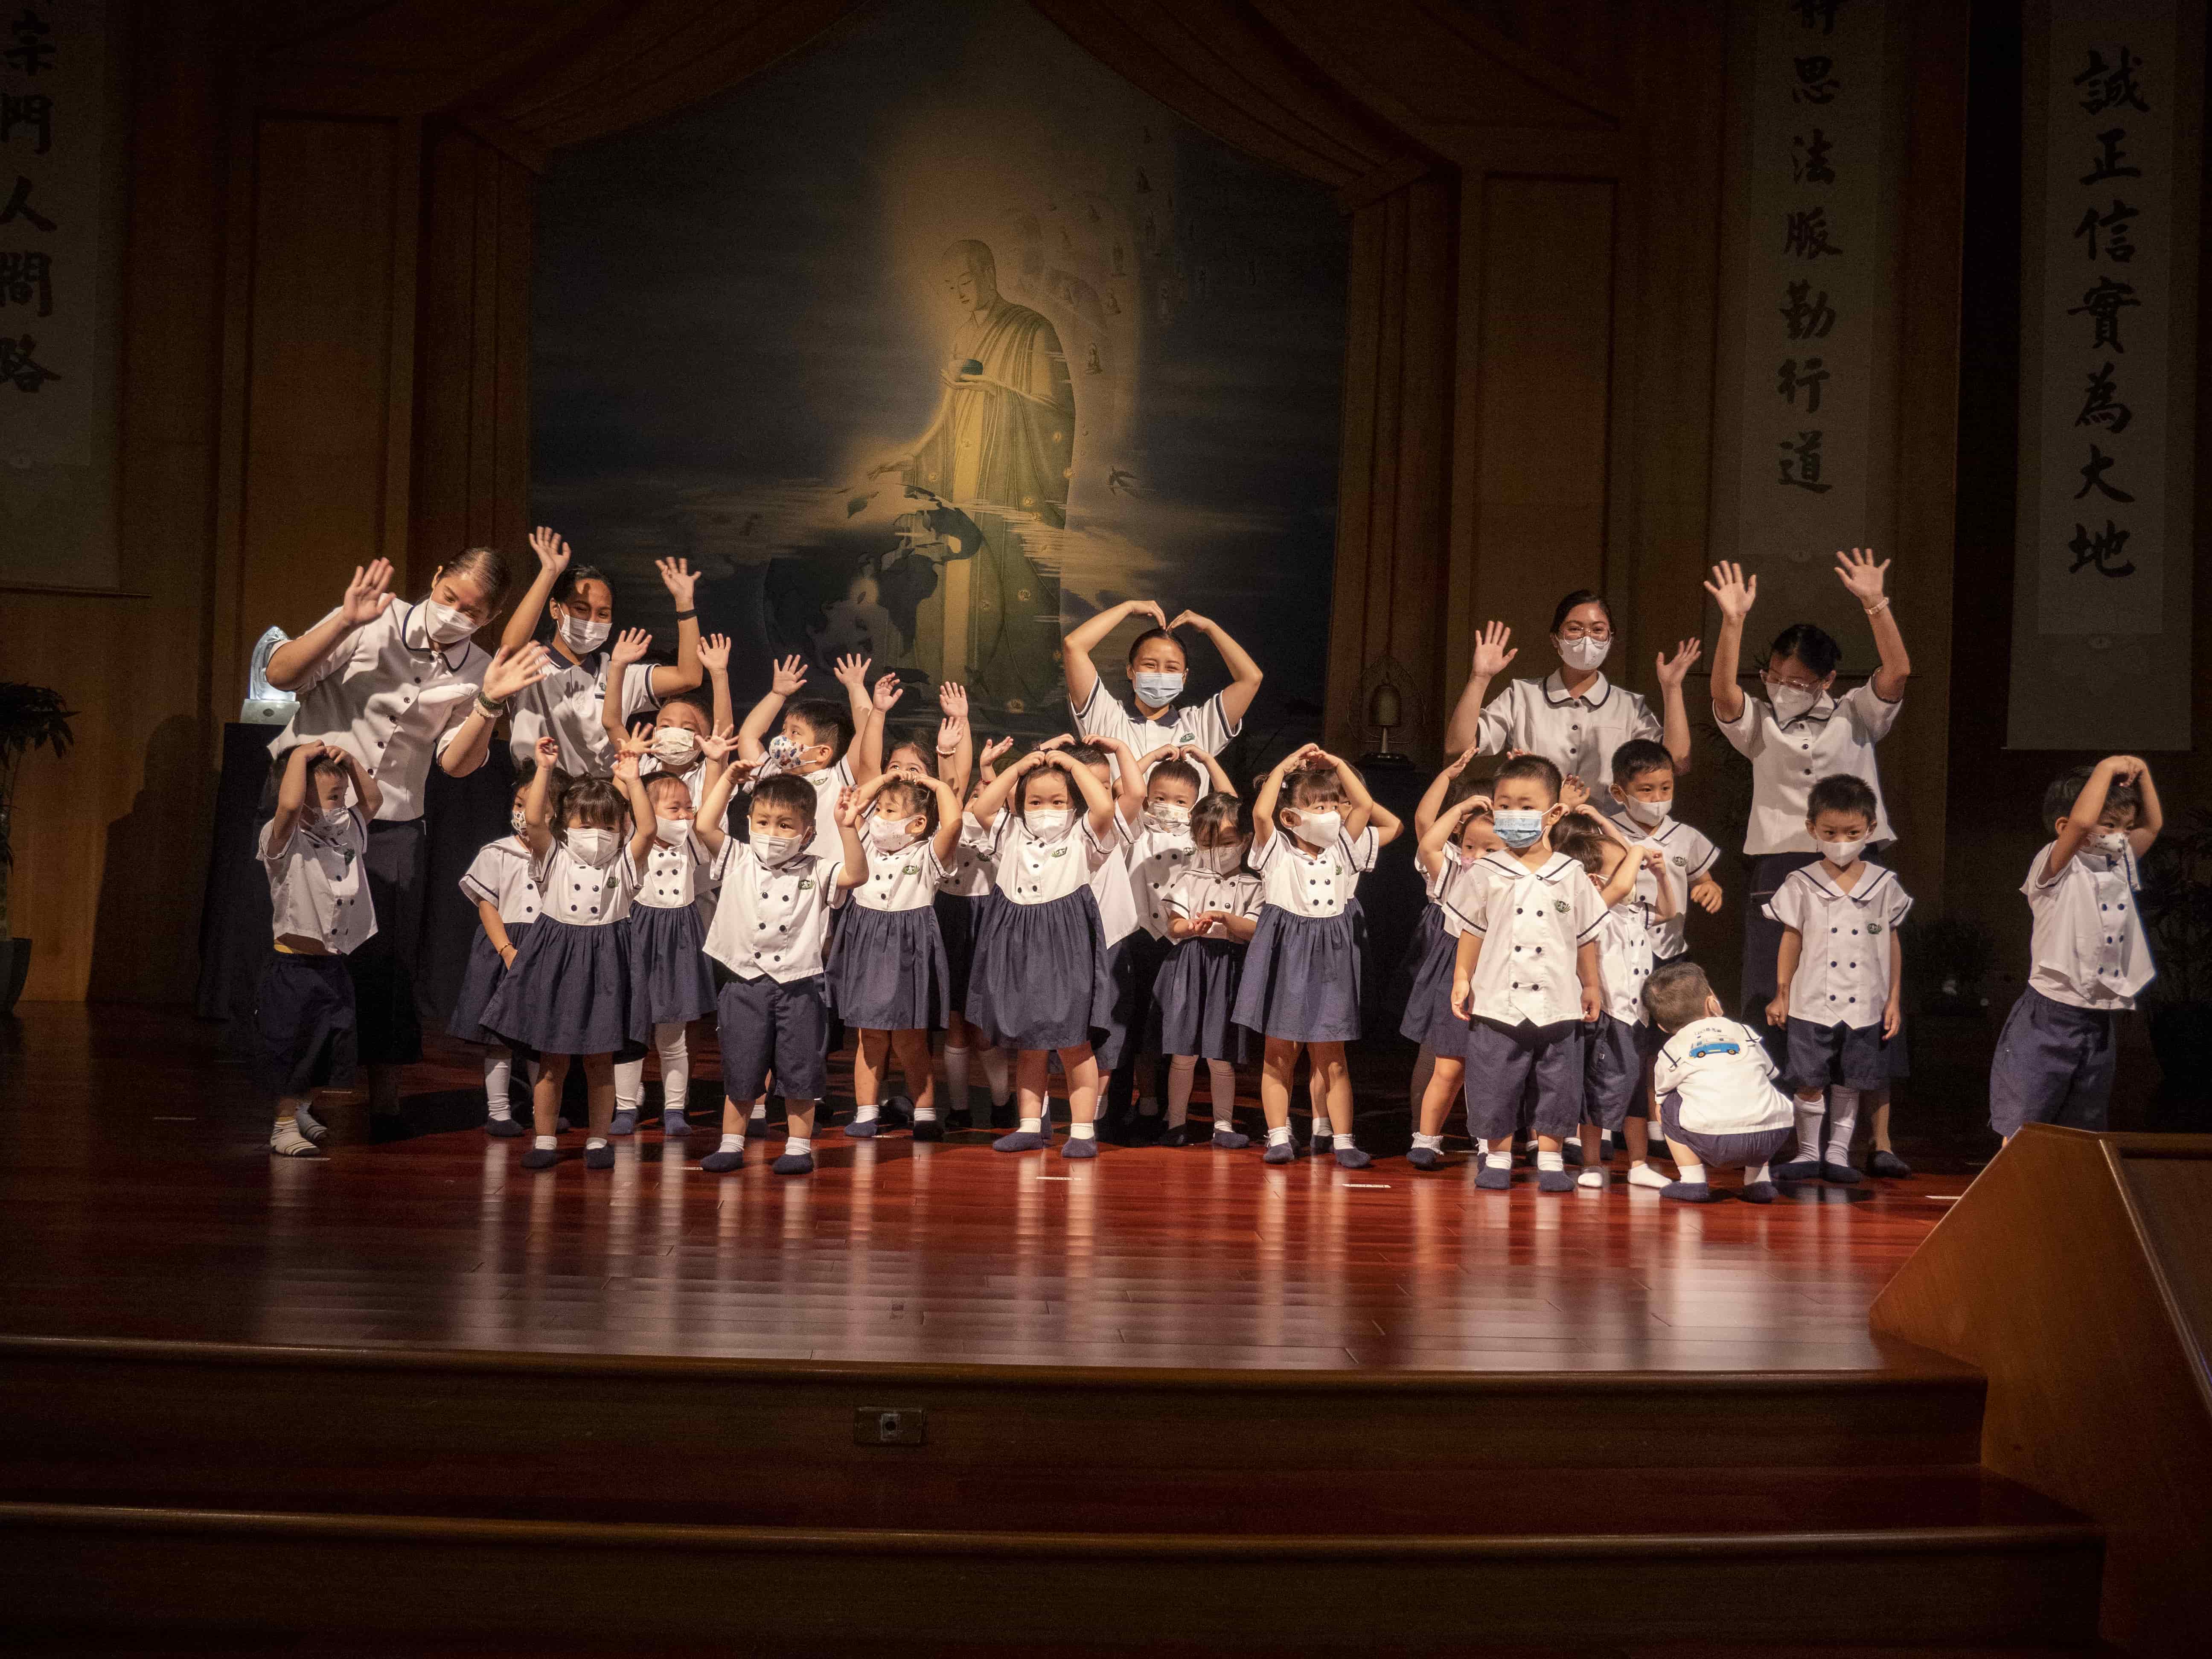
(1157, 691)
(1517, 827)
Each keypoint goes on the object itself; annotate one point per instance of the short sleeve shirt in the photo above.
(1624, 958)
(1202, 725)
(674, 876)
(974, 867)
(1147, 866)
(1722, 1079)
(568, 703)
(1313, 881)
(1689, 854)
(1788, 756)
(2089, 950)
(1033, 872)
(1532, 924)
(772, 921)
(1194, 892)
(503, 874)
(318, 884)
(1577, 734)
(905, 880)
(584, 894)
(1842, 963)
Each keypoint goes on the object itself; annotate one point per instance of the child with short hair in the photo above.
(1717, 1100)
(672, 941)
(1525, 976)
(970, 885)
(672, 740)
(311, 851)
(1642, 791)
(816, 740)
(1455, 838)
(1213, 910)
(2090, 957)
(1315, 831)
(1841, 1000)
(501, 881)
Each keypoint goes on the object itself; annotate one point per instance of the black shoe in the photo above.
(928, 1129)
(958, 1118)
(1889, 1166)
(1181, 1135)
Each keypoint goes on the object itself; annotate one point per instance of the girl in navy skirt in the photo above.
(1301, 985)
(502, 883)
(575, 989)
(672, 952)
(1459, 834)
(1213, 908)
(1039, 982)
(888, 976)
(969, 889)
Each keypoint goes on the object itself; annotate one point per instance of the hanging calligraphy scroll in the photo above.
(2101, 618)
(1805, 417)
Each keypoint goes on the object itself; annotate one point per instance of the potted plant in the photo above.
(2177, 912)
(31, 717)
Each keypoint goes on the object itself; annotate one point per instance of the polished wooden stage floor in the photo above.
(141, 1202)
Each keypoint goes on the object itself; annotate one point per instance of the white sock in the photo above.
(593, 1143)
(956, 1077)
(1503, 1160)
(759, 1113)
(1279, 1137)
(925, 1115)
(1693, 1174)
(546, 1143)
(1223, 1077)
(1342, 1142)
(499, 1082)
(1643, 1175)
(629, 1085)
(675, 1065)
(1809, 1113)
(1843, 1118)
(1183, 1072)
(1434, 1143)
(1550, 1160)
(867, 1114)
(1082, 1132)
(1032, 1125)
(798, 1145)
(995, 1074)
(732, 1144)
(1754, 1173)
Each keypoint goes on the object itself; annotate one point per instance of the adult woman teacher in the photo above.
(400, 685)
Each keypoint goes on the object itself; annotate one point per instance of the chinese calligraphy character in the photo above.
(1811, 376)
(2093, 476)
(16, 366)
(2110, 156)
(1807, 320)
(23, 275)
(1806, 234)
(2103, 304)
(2111, 88)
(19, 207)
(33, 52)
(1820, 14)
(2100, 404)
(1816, 82)
(1805, 455)
(1808, 159)
(2100, 550)
(32, 110)
(2117, 245)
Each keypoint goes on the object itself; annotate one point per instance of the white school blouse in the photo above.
(1842, 963)
(2089, 950)
(1451, 869)
(1688, 855)
(1532, 924)
(1142, 871)
(502, 875)
(317, 884)
(1033, 871)
(389, 696)
(1624, 958)
(829, 784)
(975, 869)
(905, 880)
(773, 920)
(1577, 734)
(1725, 1079)
(567, 703)
(584, 894)
(1202, 725)
(1313, 881)
(674, 876)
(1788, 756)
(1194, 892)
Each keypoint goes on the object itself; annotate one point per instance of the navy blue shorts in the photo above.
(767, 1028)
(1854, 1056)
(1502, 1061)
(2053, 1065)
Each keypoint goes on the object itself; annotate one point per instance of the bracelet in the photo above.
(687, 615)
(1876, 610)
(488, 709)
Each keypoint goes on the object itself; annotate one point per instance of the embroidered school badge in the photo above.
(1060, 852)
(805, 884)
(1560, 905)
(1874, 927)
(911, 869)
(1681, 863)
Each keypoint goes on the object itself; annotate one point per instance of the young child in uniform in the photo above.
(502, 883)
(771, 930)
(817, 740)
(969, 889)
(576, 989)
(671, 960)
(672, 740)
(311, 851)
(1616, 1049)
(1841, 973)
(1457, 837)
(1213, 910)
(2090, 958)
(1039, 982)
(1717, 1100)
(889, 979)
(1315, 830)
(1526, 976)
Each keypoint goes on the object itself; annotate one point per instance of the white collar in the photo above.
(1556, 694)
(1817, 875)
(430, 647)
(1550, 873)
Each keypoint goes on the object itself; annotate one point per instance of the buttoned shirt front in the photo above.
(1788, 756)
(1576, 733)
(502, 874)
(1145, 866)
(1843, 961)
(1033, 871)
(318, 884)
(1532, 924)
(391, 698)
(905, 880)
(568, 703)
(1313, 881)
(1194, 892)
(587, 894)
(1202, 725)
(2089, 949)
(1624, 958)
(975, 869)
(675, 875)
(1724, 1079)
(773, 920)
(1689, 854)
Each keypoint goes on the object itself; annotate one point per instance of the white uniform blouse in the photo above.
(567, 702)
(773, 920)
(1202, 725)
(1532, 923)
(1313, 881)
(905, 880)
(1577, 734)
(1842, 963)
(318, 886)
(975, 869)
(1724, 1079)
(674, 877)
(2089, 949)
(1194, 892)
(1788, 756)
(1033, 871)
(584, 895)
(502, 875)
(1147, 864)
(1688, 855)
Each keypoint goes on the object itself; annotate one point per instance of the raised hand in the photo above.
(1672, 669)
(952, 702)
(948, 735)
(1573, 792)
(1857, 571)
(852, 672)
(1150, 608)
(1731, 593)
(1654, 860)
(639, 741)
(368, 595)
(720, 745)
(553, 554)
(790, 677)
(887, 693)
(548, 751)
(630, 646)
(514, 670)
(1202, 623)
(997, 749)
(681, 581)
(714, 654)
(1491, 654)
(1454, 767)
(1057, 740)
(625, 769)
(849, 805)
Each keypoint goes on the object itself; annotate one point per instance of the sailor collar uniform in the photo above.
(1532, 923)
(503, 874)
(1842, 963)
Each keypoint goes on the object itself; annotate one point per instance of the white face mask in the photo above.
(1168, 819)
(1317, 829)
(775, 849)
(444, 625)
(520, 820)
(1583, 653)
(315, 821)
(595, 847)
(889, 833)
(1218, 860)
(2111, 843)
(1157, 691)
(675, 743)
(1048, 824)
(1789, 702)
(1650, 814)
(1841, 854)
(582, 636)
(672, 830)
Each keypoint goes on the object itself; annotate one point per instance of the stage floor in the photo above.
(142, 1202)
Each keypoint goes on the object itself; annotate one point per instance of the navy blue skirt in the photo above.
(887, 971)
(479, 980)
(959, 919)
(1302, 977)
(573, 991)
(1195, 1001)
(1428, 1018)
(671, 957)
(1040, 979)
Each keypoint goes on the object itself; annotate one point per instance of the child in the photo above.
(771, 930)
(968, 886)
(502, 884)
(671, 739)
(1158, 670)
(1456, 839)
(818, 741)
(311, 851)
(889, 979)
(1839, 1001)
(1213, 910)
(672, 963)
(1615, 1050)
(1039, 981)
(574, 989)
(1642, 791)
(1716, 1095)
(1302, 971)
(1526, 976)
(2054, 1058)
